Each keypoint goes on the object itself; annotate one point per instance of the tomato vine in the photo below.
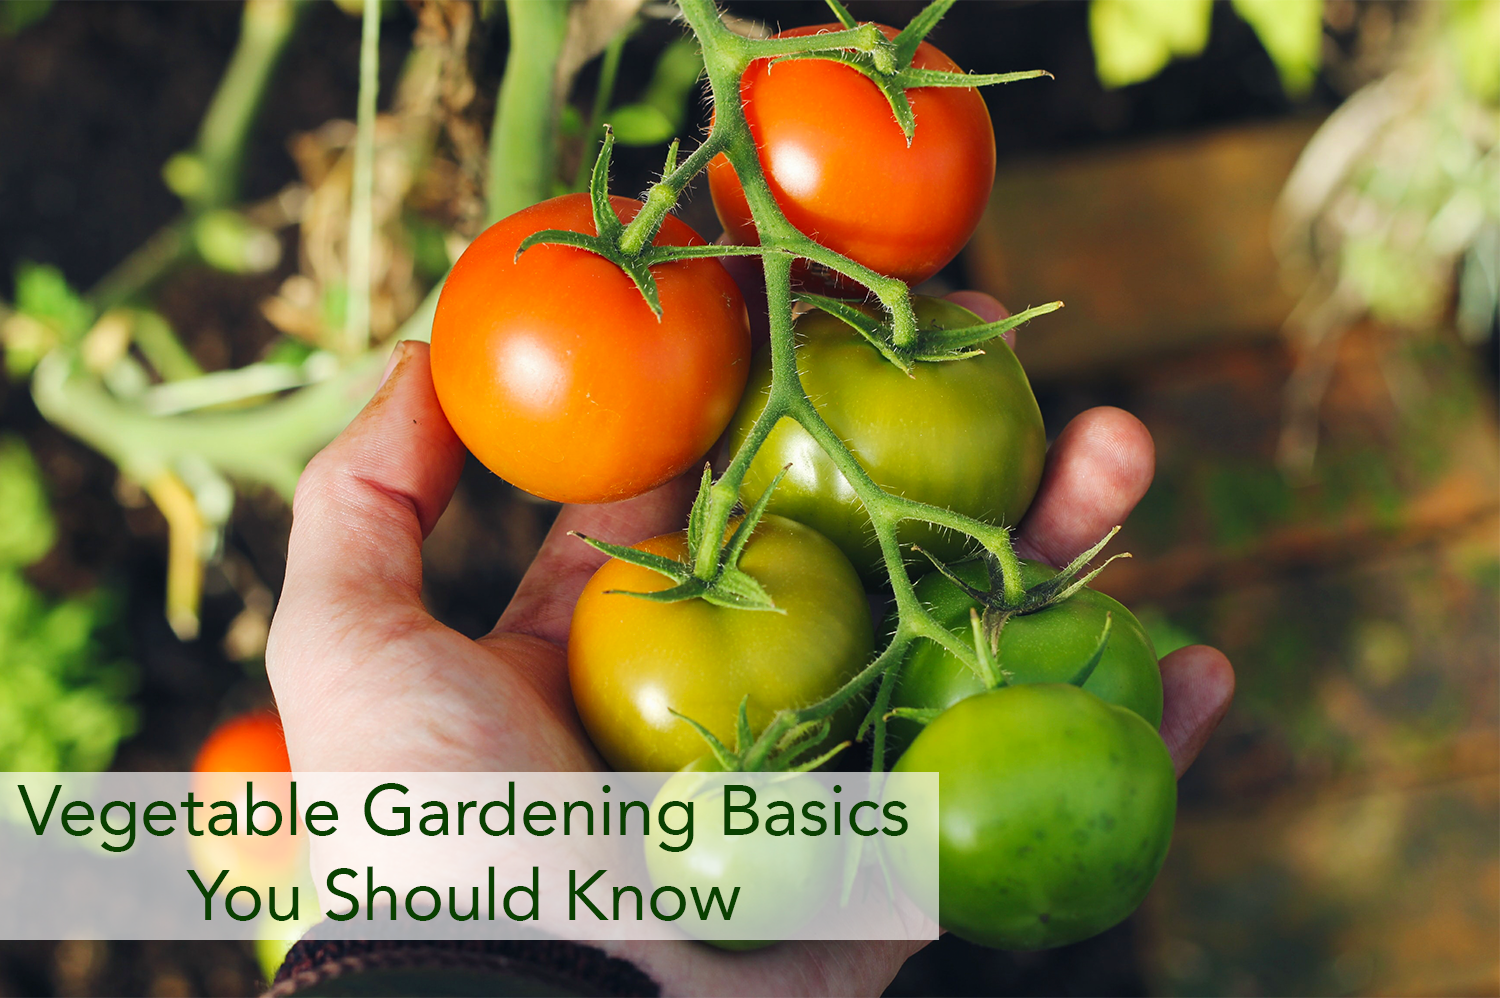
(726, 57)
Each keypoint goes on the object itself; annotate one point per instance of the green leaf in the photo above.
(1292, 33)
(18, 15)
(1134, 39)
(1473, 29)
(699, 512)
(691, 589)
(561, 237)
(1083, 674)
(674, 570)
(948, 340)
(730, 558)
(63, 698)
(922, 715)
(813, 763)
(228, 241)
(606, 223)
(841, 13)
(738, 590)
(941, 78)
(27, 530)
(639, 272)
(917, 29)
(674, 79)
(727, 760)
(43, 293)
(743, 736)
(641, 125)
(855, 315)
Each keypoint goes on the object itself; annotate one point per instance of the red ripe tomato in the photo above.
(555, 373)
(839, 166)
(249, 744)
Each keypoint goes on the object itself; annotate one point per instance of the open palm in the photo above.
(367, 680)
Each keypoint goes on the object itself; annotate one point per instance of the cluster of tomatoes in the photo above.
(1057, 799)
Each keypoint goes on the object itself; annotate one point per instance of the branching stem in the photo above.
(726, 57)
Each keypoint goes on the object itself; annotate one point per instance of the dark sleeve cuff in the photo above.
(483, 967)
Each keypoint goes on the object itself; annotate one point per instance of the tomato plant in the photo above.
(633, 661)
(841, 169)
(1054, 814)
(1048, 646)
(554, 372)
(782, 880)
(965, 435)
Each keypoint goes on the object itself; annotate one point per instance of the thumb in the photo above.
(361, 510)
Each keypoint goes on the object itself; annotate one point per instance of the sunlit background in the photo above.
(1276, 226)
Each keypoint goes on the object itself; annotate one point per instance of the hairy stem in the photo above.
(726, 57)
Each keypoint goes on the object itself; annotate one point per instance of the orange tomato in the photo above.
(247, 747)
(557, 376)
(252, 743)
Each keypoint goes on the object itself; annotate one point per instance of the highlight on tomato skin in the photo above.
(841, 171)
(555, 373)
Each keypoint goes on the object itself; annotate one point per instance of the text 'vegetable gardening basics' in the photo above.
(463, 855)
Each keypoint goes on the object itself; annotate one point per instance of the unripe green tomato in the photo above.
(783, 880)
(965, 435)
(1054, 815)
(1049, 646)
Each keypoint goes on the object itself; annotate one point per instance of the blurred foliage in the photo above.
(1393, 209)
(63, 699)
(1135, 39)
(18, 15)
(47, 312)
(661, 113)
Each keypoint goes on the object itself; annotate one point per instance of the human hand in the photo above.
(366, 679)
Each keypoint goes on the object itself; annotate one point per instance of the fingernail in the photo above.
(390, 366)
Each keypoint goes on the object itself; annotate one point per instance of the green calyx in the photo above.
(724, 583)
(1005, 599)
(630, 247)
(792, 750)
(931, 344)
(889, 67)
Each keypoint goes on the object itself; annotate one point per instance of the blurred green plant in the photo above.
(64, 700)
(1135, 39)
(1393, 209)
(385, 204)
(18, 15)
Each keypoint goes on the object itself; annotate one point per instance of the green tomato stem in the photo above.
(523, 153)
(361, 207)
(726, 56)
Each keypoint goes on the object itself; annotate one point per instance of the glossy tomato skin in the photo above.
(1045, 647)
(965, 435)
(631, 660)
(838, 164)
(1055, 812)
(555, 373)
